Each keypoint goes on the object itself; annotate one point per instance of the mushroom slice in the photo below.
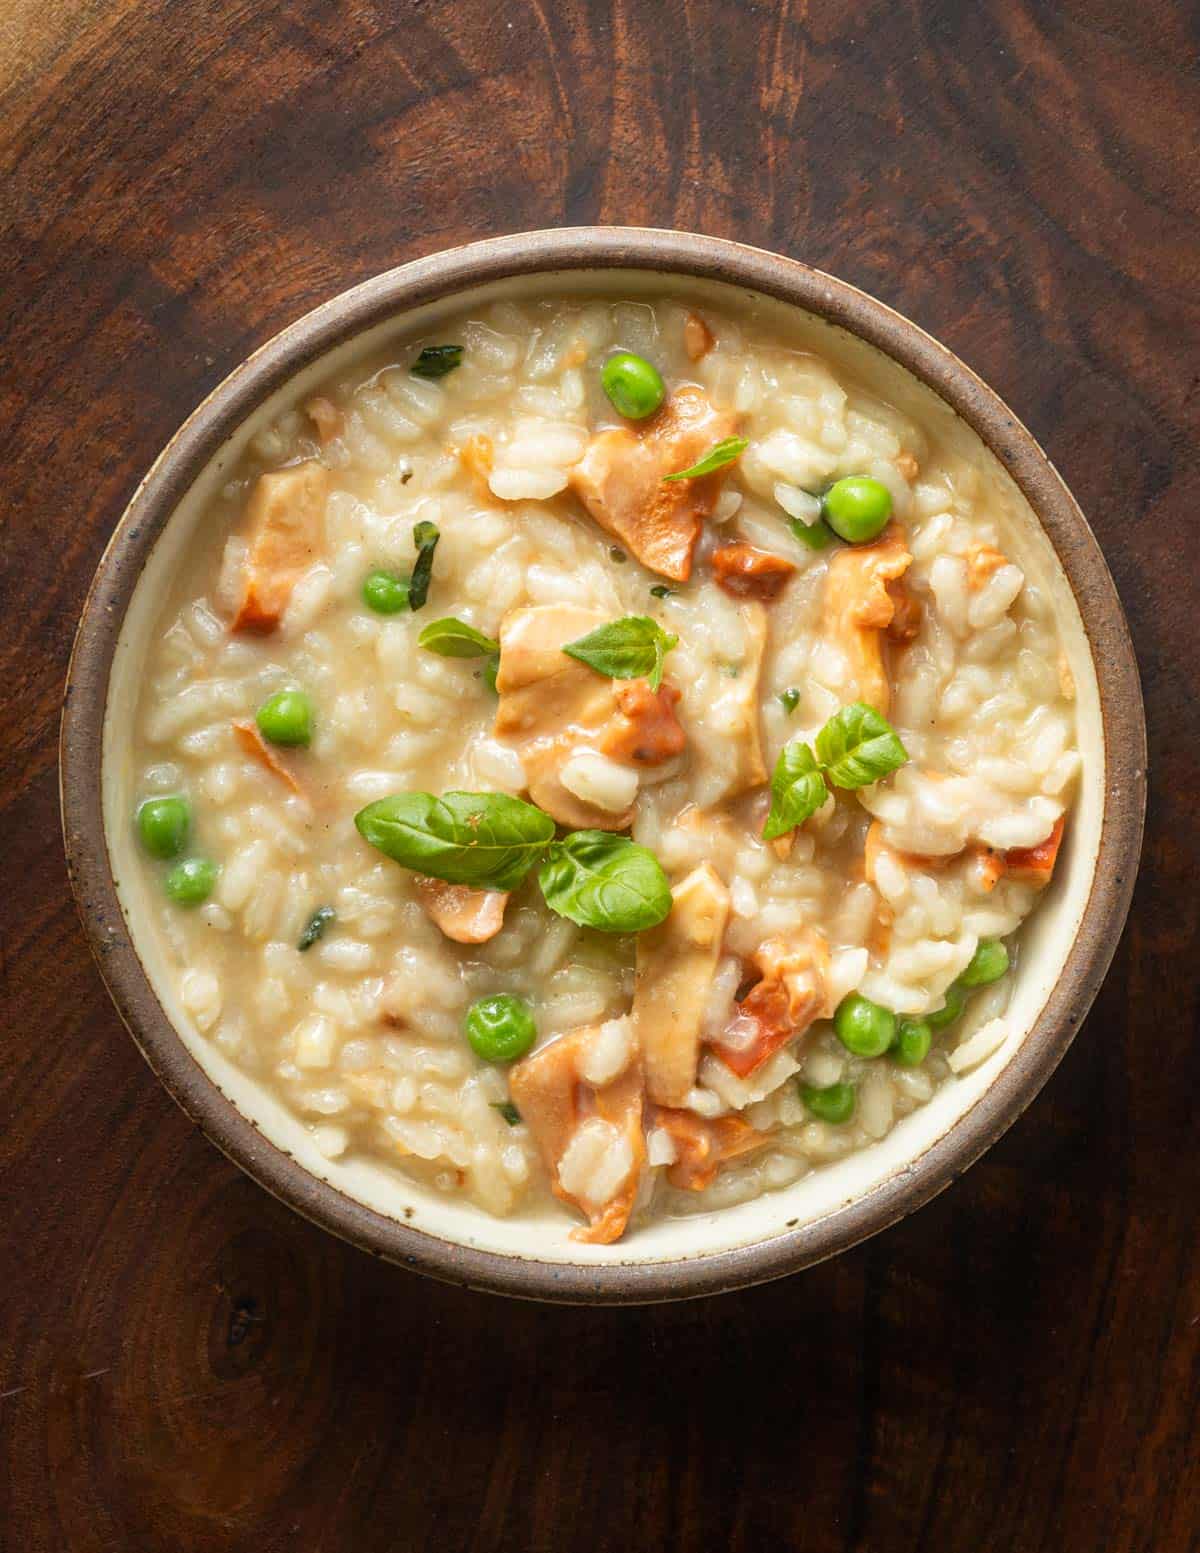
(734, 745)
(588, 1134)
(466, 915)
(553, 707)
(620, 480)
(675, 966)
(285, 523)
(745, 572)
(645, 731)
(254, 745)
(1035, 865)
(703, 1145)
(863, 598)
(789, 994)
(698, 338)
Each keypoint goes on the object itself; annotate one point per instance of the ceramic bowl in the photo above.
(1066, 945)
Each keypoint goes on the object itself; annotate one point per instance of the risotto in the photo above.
(602, 754)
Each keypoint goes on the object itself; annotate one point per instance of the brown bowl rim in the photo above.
(440, 276)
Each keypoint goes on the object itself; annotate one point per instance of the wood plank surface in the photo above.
(185, 1365)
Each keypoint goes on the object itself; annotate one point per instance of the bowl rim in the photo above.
(440, 276)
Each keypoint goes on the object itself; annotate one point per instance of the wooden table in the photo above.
(183, 1363)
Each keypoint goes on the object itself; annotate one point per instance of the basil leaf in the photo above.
(604, 881)
(436, 360)
(507, 1110)
(487, 840)
(631, 648)
(857, 746)
(456, 639)
(789, 699)
(797, 790)
(425, 537)
(716, 458)
(817, 536)
(317, 923)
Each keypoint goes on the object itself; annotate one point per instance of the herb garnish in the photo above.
(716, 458)
(856, 746)
(789, 699)
(604, 881)
(436, 360)
(454, 638)
(508, 1111)
(425, 537)
(661, 591)
(317, 923)
(631, 648)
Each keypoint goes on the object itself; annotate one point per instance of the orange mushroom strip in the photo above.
(463, 914)
(745, 572)
(1035, 865)
(620, 480)
(555, 1101)
(788, 995)
(863, 599)
(646, 731)
(675, 965)
(255, 745)
(703, 1145)
(285, 529)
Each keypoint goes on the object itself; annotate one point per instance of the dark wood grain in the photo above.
(184, 1364)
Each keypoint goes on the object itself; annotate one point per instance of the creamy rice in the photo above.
(361, 1035)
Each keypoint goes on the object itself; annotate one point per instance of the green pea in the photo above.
(857, 508)
(833, 1104)
(815, 535)
(500, 1028)
(913, 1040)
(956, 996)
(163, 825)
(632, 384)
(286, 718)
(988, 964)
(863, 1027)
(385, 592)
(191, 881)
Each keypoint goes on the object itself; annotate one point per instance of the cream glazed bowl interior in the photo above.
(1065, 948)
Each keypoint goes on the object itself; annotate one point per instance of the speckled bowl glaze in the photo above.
(1066, 946)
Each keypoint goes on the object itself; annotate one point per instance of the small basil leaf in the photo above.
(436, 360)
(857, 746)
(425, 537)
(316, 925)
(817, 536)
(797, 790)
(631, 648)
(487, 840)
(604, 881)
(507, 1110)
(716, 458)
(456, 639)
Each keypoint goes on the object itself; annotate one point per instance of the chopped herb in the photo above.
(661, 591)
(716, 458)
(618, 555)
(731, 670)
(317, 923)
(508, 1111)
(406, 474)
(425, 537)
(789, 700)
(436, 360)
